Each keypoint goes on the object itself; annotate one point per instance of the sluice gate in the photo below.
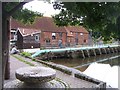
(76, 52)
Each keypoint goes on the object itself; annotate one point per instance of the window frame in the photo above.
(37, 37)
(53, 36)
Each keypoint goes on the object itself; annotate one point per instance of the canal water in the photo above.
(106, 69)
(82, 64)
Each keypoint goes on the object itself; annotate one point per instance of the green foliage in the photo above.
(26, 54)
(33, 59)
(10, 5)
(101, 17)
(24, 15)
(42, 48)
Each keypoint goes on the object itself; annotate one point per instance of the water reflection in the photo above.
(81, 64)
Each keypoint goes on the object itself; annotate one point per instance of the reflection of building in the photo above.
(49, 33)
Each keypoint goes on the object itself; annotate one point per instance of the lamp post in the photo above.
(82, 38)
(90, 38)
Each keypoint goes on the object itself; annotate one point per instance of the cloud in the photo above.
(42, 7)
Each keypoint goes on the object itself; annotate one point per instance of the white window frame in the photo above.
(37, 38)
(54, 34)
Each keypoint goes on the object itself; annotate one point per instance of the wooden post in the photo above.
(1, 64)
(5, 46)
(7, 67)
(6, 38)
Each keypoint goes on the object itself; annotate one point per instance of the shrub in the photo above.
(42, 48)
(26, 54)
(33, 59)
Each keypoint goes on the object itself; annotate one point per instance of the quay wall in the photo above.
(79, 53)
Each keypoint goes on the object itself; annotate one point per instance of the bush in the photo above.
(26, 54)
(42, 48)
(33, 59)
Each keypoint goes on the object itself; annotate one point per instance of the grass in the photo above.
(20, 59)
(26, 54)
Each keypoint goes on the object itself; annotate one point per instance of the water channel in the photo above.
(110, 76)
(82, 63)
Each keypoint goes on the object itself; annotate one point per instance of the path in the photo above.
(72, 81)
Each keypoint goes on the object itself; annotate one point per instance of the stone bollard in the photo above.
(35, 77)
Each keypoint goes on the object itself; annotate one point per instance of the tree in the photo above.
(22, 14)
(101, 17)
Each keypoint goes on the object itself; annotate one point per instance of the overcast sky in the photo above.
(42, 7)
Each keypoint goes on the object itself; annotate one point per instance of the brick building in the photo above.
(50, 34)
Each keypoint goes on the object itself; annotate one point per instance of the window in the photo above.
(47, 41)
(76, 35)
(85, 40)
(81, 34)
(60, 34)
(36, 37)
(53, 36)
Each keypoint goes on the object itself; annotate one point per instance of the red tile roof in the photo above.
(47, 24)
(76, 29)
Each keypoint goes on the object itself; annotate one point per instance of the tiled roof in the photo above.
(27, 31)
(76, 29)
(47, 24)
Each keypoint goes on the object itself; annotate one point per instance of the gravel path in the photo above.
(72, 81)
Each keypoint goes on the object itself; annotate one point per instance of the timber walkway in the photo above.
(72, 81)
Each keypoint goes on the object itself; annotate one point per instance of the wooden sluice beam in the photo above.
(98, 51)
(92, 52)
(115, 49)
(86, 53)
(111, 50)
(108, 50)
(118, 49)
(78, 53)
(103, 51)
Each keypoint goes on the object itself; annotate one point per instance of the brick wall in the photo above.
(77, 38)
(47, 40)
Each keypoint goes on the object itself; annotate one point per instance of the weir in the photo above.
(81, 52)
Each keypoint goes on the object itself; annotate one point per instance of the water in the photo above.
(82, 64)
(106, 68)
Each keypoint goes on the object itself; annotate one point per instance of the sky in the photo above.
(42, 7)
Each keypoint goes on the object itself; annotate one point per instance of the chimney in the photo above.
(23, 31)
